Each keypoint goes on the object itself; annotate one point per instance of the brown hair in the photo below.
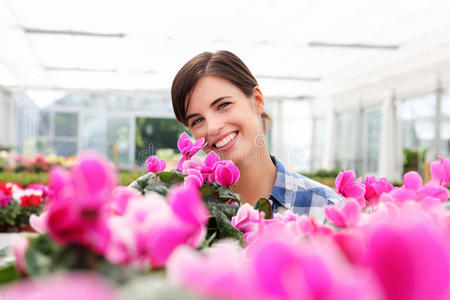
(223, 64)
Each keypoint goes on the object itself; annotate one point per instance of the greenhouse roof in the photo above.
(294, 48)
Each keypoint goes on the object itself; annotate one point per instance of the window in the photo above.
(372, 140)
(66, 133)
(118, 139)
(348, 141)
(445, 124)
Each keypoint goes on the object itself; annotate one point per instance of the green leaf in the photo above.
(264, 205)
(207, 190)
(226, 193)
(39, 255)
(220, 221)
(142, 182)
(171, 177)
(157, 187)
(8, 274)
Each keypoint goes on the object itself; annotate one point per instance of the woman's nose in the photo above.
(214, 127)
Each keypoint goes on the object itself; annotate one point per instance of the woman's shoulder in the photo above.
(302, 185)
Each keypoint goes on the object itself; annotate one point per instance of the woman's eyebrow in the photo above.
(217, 100)
(211, 105)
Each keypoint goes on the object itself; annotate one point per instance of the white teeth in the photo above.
(226, 140)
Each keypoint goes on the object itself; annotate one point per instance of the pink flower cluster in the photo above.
(154, 164)
(397, 249)
(188, 148)
(151, 228)
(87, 208)
(33, 195)
(211, 169)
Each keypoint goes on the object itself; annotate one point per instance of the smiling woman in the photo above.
(216, 96)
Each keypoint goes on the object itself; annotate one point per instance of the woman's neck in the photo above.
(256, 178)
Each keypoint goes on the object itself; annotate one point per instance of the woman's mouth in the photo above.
(226, 142)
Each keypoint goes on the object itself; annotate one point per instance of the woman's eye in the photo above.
(223, 105)
(196, 122)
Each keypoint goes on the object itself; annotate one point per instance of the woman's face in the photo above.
(229, 121)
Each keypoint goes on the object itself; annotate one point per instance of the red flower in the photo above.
(30, 200)
(8, 187)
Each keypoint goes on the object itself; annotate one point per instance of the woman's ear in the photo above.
(259, 100)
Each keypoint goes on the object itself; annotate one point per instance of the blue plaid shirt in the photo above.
(301, 194)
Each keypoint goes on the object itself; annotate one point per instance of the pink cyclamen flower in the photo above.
(188, 148)
(222, 262)
(309, 226)
(187, 204)
(193, 163)
(154, 164)
(440, 171)
(226, 173)
(152, 228)
(246, 218)
(121, 195)
(374, 189)
(413, 189)
(39, 223)
(194, 178)
(347, 187)
(346, 216)
(77, 213)
(4, 199)
(19, 245)
(393, 254)
(208, 169)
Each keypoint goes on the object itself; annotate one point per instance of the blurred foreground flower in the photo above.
(69, 286)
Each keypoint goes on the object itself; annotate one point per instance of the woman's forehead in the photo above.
(208, 89)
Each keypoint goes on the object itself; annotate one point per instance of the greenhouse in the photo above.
(236, 150)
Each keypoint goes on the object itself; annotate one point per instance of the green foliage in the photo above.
(153, 134)
(127, 177)
(9, 213)
(142, 182)
(323, 173)
(44, 257)
(220, 221)
(14, 214)
(26, 178)
(264, 205)
(413, 159)
(8, 274)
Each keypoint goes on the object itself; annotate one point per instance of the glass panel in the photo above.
(118, 140)
(44, 123)
(416, 117)
(155, 134)
(445, 124)
(93, 135)
(297, 135)
(44, 145)
(347, 141)
(66, 148)
(373, 140)
(66, 124)
(319, 137)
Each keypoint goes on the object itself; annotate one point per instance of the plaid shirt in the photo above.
(301, 194)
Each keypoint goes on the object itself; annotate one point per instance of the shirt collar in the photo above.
(279, 188)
